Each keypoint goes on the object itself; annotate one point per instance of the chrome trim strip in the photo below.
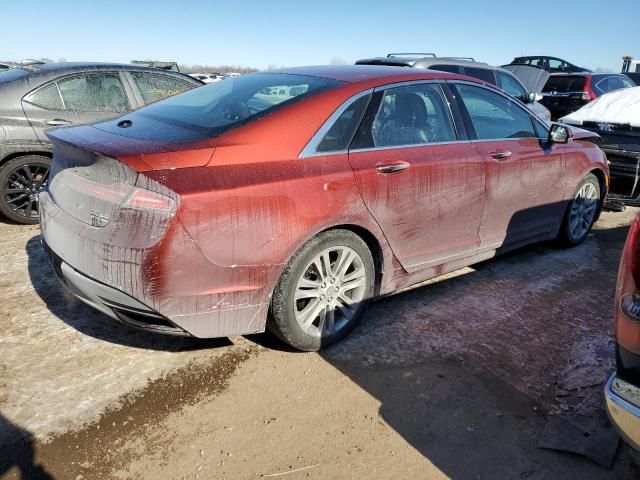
(415, 145)
(406, 84)
(310, 148)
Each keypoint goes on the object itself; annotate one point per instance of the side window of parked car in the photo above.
(511, 86)
(494, 116)
(447, 68)
(627, 83)
(483, 74)
(609, 84)
(412, 115)
(556, 65)
(154, 87)
(341, 132)
(95, 92)
(47, 97)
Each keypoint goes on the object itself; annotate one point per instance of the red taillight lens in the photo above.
(587, 92)
(627, 324)
(140, 198)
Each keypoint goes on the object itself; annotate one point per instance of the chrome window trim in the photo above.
(413, 145)
(310, 148)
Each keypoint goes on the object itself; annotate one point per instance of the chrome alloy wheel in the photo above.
(330, 291)
(583, 210)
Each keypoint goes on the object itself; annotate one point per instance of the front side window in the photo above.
(96, 92)
(556, 65)
(154, 87)
(511, 86)
(412, 115)
(494, 116)
(219, 106)
(47, 97)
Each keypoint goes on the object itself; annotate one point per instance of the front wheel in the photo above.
(581, 212)
(323, 290)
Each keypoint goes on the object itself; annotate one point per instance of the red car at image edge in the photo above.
(289, 199)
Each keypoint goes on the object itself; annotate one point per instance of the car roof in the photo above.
(424, 62)
(54, 69)
(367, 73)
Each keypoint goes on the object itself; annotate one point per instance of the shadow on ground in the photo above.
(93, 323)
(17, 453)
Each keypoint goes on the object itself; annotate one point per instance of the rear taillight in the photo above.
(627, 325)
(147, 199)
(587, 92)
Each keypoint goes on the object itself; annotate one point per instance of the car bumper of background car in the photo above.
(164, 285)
(623, 407)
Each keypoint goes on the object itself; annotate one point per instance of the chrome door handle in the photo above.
(500, 155)
(57, 122)
(392, 167)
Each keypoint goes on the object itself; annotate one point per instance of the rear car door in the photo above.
(524, 175)
(424, 186)
(76, 99)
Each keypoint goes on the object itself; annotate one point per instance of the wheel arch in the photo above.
(602, 180)
(27, 153)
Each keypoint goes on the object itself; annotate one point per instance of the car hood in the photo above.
(621, 107)
(533, 78)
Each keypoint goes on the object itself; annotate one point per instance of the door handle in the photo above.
(391, 167)
(57, 122)
(500, 155)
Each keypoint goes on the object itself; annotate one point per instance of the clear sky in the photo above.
(287, 33)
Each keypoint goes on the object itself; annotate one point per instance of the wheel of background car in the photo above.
(581, 212)
(22, 178)
(323, 290)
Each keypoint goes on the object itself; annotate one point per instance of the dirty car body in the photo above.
(183, 216)
(622, 392)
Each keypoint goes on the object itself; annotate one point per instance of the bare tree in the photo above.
(338, 61)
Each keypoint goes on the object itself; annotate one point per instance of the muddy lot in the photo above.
(455, 379)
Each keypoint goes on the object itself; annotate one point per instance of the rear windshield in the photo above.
(222, 105)
(7, 76)
(565, 83)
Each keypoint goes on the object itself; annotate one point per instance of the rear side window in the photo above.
(494, 116)
(99, 92)
(609, 84)
(412, 115)
(341, 132)
(47, 97)
(565, 83)
(483, 74)
(153, 87)
(511, 86)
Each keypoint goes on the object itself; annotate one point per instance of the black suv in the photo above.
(550, 64)
(565, 93)
(35, 97)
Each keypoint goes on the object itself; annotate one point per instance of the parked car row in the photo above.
(208, 77)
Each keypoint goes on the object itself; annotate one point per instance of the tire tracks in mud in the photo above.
(99, 449)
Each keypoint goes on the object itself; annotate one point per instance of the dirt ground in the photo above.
(454, 379)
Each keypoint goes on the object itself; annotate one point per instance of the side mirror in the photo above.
(534, 97)
(559, 134)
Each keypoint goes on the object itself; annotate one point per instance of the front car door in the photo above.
(75, 99)
(419, 177)
(524, 174)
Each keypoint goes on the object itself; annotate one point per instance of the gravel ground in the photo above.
(476, 363)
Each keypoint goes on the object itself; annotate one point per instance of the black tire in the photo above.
(13, 204)
(567, 238)
(282, 319)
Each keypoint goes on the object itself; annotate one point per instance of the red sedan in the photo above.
(289, 199)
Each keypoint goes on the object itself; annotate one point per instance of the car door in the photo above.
(76, 99)
(423, 186)
(524, 174)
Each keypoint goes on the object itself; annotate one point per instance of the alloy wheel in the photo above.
(22, 187)
(330, 291)
(583, 210)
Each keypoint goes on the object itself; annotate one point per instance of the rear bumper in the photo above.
(623, 408)
(155, 277)
(110, 301)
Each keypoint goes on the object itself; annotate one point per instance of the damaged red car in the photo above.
(289, 199)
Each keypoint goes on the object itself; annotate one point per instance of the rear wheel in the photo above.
(323, 290)
(581, 212)
(21, 179)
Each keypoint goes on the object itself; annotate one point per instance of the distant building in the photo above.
(155, 64)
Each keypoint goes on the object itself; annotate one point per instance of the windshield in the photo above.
(219, 106)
